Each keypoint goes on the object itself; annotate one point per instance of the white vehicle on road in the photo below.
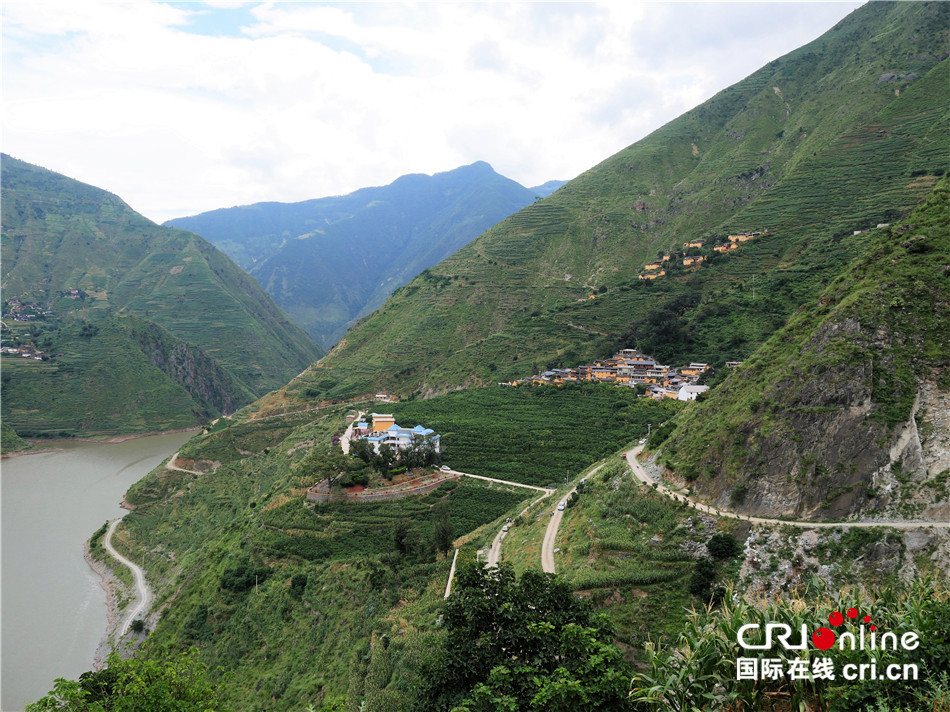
(504, 528)
(560, 506)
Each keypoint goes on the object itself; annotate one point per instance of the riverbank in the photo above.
(55, 603)
(111, 584)
(118, 636)
(95, 439)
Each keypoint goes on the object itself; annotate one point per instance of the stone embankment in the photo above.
(321, 493)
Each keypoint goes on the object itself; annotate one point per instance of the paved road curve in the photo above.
(547, 546)
(494, 554)
(141, 586)
(641, 475)
(448, 586)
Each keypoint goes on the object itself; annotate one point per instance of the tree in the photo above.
(384, 460)
(723, 546)
(443, 533)
(138, 626)
(178, 684)
(702, 577)
(362, 449)
(525, 644)
(407, 539)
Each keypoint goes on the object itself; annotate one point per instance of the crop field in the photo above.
(534, 435)
(344, 531)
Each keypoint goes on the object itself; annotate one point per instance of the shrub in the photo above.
(723, 546)
(704, 574)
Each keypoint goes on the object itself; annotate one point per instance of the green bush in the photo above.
(723, 546)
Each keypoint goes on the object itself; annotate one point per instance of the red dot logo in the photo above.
(836, 618)
(873, 627)
(823, 638)
(866, 619)
(852, 613)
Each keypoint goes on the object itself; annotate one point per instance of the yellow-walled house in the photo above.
(382, 422)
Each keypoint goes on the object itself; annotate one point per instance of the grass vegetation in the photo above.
(111, 375)
(10, 441)
(623, 546)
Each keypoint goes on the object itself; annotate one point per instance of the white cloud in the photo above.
(186, 107)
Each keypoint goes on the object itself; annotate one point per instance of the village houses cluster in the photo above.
(652, 270)
(630, 367)
(22, 311)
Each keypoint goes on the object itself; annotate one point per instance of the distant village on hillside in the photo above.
(652, 270)
(632, 368)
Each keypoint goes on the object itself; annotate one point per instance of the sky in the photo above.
(182, 107)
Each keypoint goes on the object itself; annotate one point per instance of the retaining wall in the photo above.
(321, 493)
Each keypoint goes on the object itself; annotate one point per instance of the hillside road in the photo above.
(547, 546)
(141, 587)
(641, 475)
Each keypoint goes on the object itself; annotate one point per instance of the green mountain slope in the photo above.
(842, 134)
(73, 251)
(114, 375)
(330, 260)
(844, 410)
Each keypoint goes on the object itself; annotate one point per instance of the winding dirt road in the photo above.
(172, 465)
(141, 586)
(641, 475)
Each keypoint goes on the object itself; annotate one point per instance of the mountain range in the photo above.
(329, 261)
(133, 326)
(843, 134)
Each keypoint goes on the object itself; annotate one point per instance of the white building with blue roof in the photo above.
(399, 438)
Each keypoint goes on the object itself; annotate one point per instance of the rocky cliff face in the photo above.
(846, 411)
(214, 389)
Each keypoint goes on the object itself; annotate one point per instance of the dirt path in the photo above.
(172, 466)
(141, 586)
(641, 475)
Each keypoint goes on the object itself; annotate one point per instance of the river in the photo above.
(54, 612)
